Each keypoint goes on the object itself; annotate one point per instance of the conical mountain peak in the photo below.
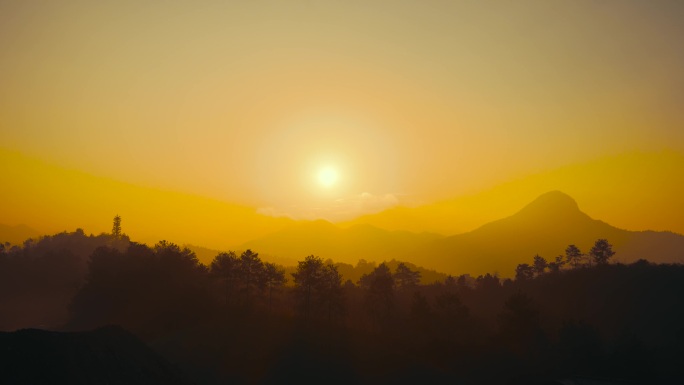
(551, 202)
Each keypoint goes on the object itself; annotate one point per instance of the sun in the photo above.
(327, 176)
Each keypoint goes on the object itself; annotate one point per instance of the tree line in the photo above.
(600, 254)
(242, 319)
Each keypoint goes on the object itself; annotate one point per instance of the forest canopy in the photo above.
(580, 313)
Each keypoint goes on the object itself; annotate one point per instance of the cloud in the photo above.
(340, 210)
(366, 203)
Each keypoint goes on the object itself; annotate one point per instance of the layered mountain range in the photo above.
(466, 234)
(545, 227)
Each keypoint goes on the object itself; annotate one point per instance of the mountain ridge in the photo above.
(545, 227)
(650, 184)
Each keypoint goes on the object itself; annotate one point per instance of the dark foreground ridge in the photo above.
(108, 355)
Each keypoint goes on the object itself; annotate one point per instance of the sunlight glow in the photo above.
(327, 176)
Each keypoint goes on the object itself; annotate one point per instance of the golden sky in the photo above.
(405, 101)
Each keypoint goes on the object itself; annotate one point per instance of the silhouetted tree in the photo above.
(251, 272)
(462, 281)
(307, 279)
(557, 265)
(540, 264)
(274, 278)
(146, 290)
(226, 267)
(524, 272)
(39, 277)
(487, 282)
(175, 257)
(573, 256)
(450, 314)
(378, 288)
(421, 313)
(405, 278)
(161, 294)
(519, 324)
(98, 301)
(318, 288)
(518, 312)
(116, 227)
(331, 294)
(450, 305)
(601, 252)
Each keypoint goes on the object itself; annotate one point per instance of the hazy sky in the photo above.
(406, 101)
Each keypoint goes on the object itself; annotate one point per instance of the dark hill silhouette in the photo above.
(326, 240)
(16, 235)
(546, 227)
(108, 355)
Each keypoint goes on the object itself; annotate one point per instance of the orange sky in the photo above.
(409, 102)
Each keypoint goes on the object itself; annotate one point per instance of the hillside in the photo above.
(348, 245)
(636, 191)
(16, 234)
(108, 355)
(545, 227)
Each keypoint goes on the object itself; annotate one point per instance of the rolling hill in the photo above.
(16, 235)
(348, 245)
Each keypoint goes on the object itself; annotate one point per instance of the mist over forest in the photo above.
(241, 319)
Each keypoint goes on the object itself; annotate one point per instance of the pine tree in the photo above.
(540, 264)
(116, 228)
(573, 255)
(601, 252)
(405, 278)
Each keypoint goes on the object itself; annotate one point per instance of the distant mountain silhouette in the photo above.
(650, 187)
(16, 235)
(546, 227)
(108, 355)
(327, 240)
(72, 199)
(636, 191)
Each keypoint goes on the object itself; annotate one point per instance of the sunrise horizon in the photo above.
(339, 192)
(367, 208)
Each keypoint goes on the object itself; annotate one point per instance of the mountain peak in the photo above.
(552, 202)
